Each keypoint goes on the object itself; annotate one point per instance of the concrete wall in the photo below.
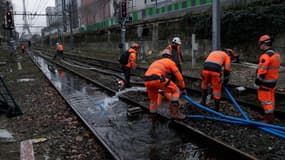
(157, 33)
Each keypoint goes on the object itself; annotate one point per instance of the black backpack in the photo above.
(124, 58)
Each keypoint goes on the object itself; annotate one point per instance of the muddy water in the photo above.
(135, 138)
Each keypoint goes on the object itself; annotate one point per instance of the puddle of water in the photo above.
(5, 134)
(136, 89)
(25, 80)
(129, 138)
(3, 63)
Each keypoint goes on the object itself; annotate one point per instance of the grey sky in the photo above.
(32, 6)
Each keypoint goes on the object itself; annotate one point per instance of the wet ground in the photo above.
(47, 116)
(128, 138)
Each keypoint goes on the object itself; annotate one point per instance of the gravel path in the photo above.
(47, 119)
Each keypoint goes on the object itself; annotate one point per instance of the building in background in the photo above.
(63, 17)
(51, 18)
(94, 11)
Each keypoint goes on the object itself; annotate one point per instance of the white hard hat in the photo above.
(176, 40)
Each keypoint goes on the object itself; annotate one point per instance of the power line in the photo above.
(35, 14)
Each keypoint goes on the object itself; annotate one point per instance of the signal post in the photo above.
(123, 19)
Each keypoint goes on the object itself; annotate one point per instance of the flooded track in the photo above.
(246, 96)
(127, 138)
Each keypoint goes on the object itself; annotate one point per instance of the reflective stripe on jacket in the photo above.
(164, 66)
(268, 68)
(216, 60)
(132, 59)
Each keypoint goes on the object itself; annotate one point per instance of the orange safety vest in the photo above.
(216, 60)
(162, 67)
(60, 47)
(132, 59)
(268, 68)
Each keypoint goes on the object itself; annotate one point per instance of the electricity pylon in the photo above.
(26, 28)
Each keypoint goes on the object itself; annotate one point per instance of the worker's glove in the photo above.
(183, 91)
(257, 81)
(226, 77)
(226, 80)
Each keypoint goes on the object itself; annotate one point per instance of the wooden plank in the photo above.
(27, 151)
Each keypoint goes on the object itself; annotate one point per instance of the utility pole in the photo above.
(216, 25)
(10, 30)
(63, 16)
(123, 16)
(71, 22)
(26, 25)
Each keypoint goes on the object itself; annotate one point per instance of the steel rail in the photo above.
(213, 143)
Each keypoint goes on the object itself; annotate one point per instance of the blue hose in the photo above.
(270, 131)
(230, 117)
(237, 106)
(214, 118)
(273, 129)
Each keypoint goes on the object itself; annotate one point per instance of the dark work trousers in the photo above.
(58, 53)
(175, 58)
(127, 73)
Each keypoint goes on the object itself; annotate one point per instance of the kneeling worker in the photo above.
(155, 80)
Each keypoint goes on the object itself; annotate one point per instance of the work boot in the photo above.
(217, 105)
(153, 117)
(204, 96)
(174, 113)
(268, 118)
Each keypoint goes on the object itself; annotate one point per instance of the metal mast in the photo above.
(26, 28)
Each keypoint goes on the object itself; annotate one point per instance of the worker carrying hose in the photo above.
(156, 80)
(267, 76)
(216, 62)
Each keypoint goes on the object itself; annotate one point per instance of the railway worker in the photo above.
(267, 76)
(22, 47)
(131, 65)
(156, 80)
(59, 50)
(175, 50)
(216, 62)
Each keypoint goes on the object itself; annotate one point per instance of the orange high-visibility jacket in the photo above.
(268, 68)
(60, 47)
(179, 54)
(216, 60)
(164, 66)
(132, 59)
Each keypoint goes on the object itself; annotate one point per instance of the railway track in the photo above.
(211, 142)
(245, 95)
